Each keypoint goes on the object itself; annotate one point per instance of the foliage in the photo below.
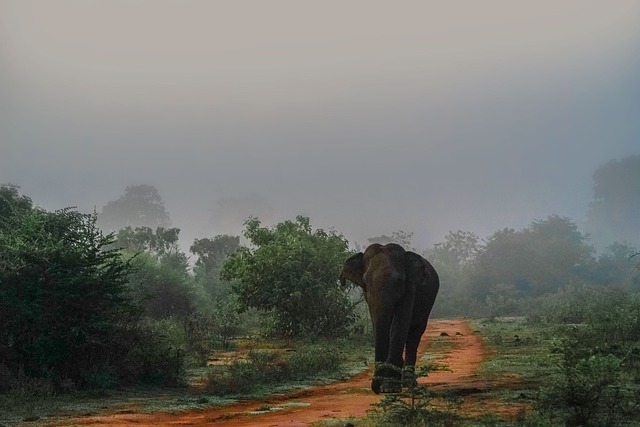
(269, 367)
(535, 260)
(600, 363)
(12, 205)
(140, 205)
(227, 321)
(63, 296)
(164, 289)
(161, 242)
(291, 273)
(615, 207)
(612, 267)
(413, 405)
(458, 250)
(211, 253)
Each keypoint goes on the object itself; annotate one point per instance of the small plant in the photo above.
(413, 405)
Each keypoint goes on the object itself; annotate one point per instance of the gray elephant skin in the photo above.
(400, 288)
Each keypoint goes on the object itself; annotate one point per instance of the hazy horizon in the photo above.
(367, 117)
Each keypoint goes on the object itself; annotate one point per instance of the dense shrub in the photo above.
(63, 298)
(290, 271)
(67, 317)
(600, 365)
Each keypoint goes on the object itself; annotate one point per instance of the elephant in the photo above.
(400, 288)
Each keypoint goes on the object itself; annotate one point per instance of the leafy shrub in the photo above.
(63, 296)
(287, 266)
(600, 366)
(313, 360)
(155, 359)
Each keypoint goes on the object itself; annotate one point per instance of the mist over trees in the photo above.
(91, 309)
(140, 205)
(614, 213)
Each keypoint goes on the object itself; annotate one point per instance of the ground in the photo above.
(463, 355)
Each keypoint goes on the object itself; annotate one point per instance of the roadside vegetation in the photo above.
(109, 303)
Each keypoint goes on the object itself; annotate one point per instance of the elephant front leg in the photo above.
(382, 326)
(413, 340)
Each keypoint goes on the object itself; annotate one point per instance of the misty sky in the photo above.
(368, 117)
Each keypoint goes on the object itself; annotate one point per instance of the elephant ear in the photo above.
(353, 269)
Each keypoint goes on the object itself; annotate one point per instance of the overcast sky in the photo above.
(368, 117)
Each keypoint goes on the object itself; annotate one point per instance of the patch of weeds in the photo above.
(272, 368)
(314, 360)
(519, 352)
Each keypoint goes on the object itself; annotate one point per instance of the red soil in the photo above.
(351, 398)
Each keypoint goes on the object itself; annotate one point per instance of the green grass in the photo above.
(43, 403)
(518, 349)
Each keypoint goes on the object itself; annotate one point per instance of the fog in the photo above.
(368, 117)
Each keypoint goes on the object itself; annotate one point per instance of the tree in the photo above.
(452, 260)
(12, 204)
(291, 272)
(211, 253)
(160, 280)
(613, 266)
(400, 237)
(64, 302)
(458, 250)
(535, 260)
(615, 209)
(141, 205)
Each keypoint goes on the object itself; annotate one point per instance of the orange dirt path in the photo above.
(351, 398)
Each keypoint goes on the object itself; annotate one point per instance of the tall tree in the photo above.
(211, 253)
(161, 279)
(140, 205)
(614, 213)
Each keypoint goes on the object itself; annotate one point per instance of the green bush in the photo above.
(63, 297)
(313, 360)
(600, 365)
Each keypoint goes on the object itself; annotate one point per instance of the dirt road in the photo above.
(340, 400)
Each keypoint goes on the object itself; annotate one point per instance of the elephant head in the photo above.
(353, 270)
(400, 288)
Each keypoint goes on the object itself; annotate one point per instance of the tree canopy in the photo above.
(140, 205)
(614, 213)
(290, 271)
(63, 296)
(537, 259)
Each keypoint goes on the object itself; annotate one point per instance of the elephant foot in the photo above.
(376, 386)
(386, 385)
(391, 385)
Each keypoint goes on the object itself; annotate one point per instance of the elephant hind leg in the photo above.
(413, 341)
